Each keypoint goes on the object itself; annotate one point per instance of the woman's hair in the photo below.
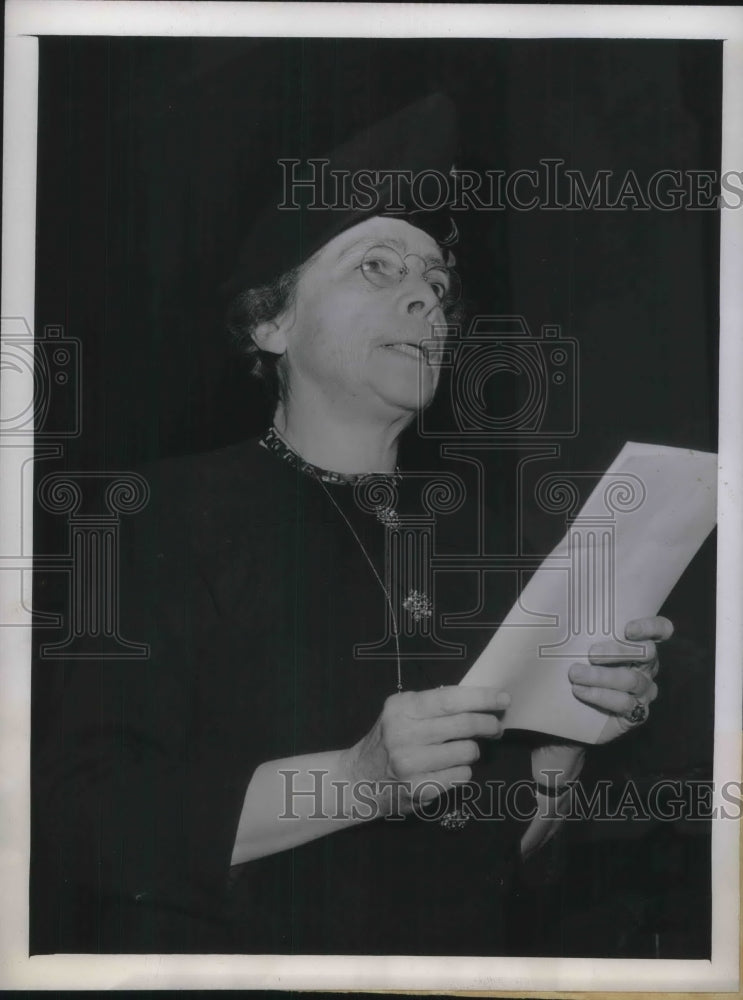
(247, 310)
(253, 306)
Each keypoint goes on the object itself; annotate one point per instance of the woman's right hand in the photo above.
(424, 743)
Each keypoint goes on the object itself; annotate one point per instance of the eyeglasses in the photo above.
(384, 267)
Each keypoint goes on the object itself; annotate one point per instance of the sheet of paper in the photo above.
(620, 559)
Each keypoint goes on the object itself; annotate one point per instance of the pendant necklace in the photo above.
(275, 441)
(454, 819)
(395, 628)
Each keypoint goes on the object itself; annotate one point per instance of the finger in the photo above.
(605, 699)
(625, 679)
(455, 699)
(608, 653)
(427, 787)
(420, 759)
(657, 628)
(466, 725)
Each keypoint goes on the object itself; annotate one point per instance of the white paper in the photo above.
(619, 560)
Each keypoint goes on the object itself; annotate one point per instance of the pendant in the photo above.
(418, 604)
(388, 516)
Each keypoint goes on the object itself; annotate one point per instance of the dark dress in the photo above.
(253, 593)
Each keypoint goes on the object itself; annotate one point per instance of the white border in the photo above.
(70, 17)
(360, 20)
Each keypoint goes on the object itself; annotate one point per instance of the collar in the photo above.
(273, 441)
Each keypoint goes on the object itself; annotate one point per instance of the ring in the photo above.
(638, 714)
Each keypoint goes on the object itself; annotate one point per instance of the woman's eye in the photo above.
(439, 283)
(373, 265)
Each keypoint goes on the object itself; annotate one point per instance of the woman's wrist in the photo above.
(292, 801)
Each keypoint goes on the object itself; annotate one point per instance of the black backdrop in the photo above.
(154, 156)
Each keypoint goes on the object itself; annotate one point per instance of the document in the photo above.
(621, 557)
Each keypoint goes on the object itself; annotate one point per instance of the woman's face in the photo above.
(353, 335)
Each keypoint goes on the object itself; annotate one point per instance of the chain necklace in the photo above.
(454, 819)
(395, 628)
(276, 442)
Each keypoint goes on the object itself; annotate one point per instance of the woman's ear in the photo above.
(269, 336)
(272, 334)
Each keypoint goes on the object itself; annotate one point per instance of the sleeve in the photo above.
(138, 809)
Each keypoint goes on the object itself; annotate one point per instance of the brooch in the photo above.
(418, 604)
(454, 820)
(388, 516)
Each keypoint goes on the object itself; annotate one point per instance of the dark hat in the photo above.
(397, 167)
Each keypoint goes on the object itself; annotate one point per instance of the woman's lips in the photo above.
(415, 351)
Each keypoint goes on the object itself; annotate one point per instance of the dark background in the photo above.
(156, 154)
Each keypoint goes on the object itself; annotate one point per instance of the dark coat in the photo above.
(252, 594)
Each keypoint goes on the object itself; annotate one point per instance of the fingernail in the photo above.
(504, 700)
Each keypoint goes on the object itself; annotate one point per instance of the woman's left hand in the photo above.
(620, 685)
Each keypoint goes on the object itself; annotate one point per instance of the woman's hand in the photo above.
(621, 685)
(424, 743)
(426, 736)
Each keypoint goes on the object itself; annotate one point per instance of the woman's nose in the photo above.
(419, 296)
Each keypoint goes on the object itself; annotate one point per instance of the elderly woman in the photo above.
(259, 784)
